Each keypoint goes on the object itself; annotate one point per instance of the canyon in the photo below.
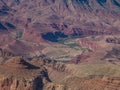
(59, 45)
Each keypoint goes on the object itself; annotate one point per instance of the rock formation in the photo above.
(94, 84)
(18, 74)
(5, 53)
(59, 44)
(113, 40)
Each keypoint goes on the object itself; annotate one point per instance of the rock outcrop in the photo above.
(28, 26)
(58, 66)
(89, 43)
(18, 74)
(113, 40)
(5, 53)
(113, 55)
(105, 83)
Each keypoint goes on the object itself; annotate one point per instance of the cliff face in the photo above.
(8, 83)
(20, 73)
(5, 53)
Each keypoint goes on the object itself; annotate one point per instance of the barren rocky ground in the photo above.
(59, 44)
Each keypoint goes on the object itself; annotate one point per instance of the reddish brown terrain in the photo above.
(59, 44)
(20, 73)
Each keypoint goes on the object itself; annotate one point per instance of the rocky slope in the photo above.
(115, 40)
(20, 73)
(59, 45)
(93, 84)
(29, 25)
(17, 74)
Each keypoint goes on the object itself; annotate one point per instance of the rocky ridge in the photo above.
(20, 73)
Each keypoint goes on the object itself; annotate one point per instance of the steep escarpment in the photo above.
(18, 74)
(41, 73)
